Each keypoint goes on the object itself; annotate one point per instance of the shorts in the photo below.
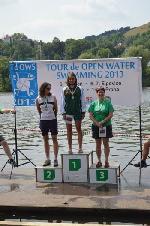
(47, 126)
(69, 118)
(1, 138)
(95, 132)
(77, 117)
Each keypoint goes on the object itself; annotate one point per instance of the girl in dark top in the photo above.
(73, 107)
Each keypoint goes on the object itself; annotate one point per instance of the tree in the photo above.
(74, 48)
(4, 74)
(87, 55)
(104, 53)
(48, 52)
(140, 51)
(19, 37)
(23, 51)
(54, 50)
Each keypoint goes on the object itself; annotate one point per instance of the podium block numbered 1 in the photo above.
(48, 174)
(75, 167)
(104, 175)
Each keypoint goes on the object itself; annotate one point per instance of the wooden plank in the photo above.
(13, 223)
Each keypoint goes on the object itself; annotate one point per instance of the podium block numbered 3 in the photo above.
(104, 175)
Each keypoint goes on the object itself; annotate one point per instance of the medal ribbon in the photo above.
(72, 92)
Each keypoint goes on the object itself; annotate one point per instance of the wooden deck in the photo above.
(12, 223)
(21, 197)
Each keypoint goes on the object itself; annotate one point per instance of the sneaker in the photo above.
(47, 162)
(12, 162)
(106, 164)
(142, 163)
(55, 163)
(98, 165)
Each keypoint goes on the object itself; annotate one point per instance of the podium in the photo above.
(75, 167)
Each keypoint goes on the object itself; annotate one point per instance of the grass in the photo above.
(138, 30)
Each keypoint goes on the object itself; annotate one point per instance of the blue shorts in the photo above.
(47, 126)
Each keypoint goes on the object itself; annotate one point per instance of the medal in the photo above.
(72, 93)
(45, 104)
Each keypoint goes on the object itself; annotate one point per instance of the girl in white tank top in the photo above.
(46, 105)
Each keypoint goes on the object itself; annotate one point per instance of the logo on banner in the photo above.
(24, 82)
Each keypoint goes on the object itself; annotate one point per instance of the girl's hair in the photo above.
(71, 74)
(100, 89)
(42, 89)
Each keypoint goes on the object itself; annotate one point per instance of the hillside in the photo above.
(123, 42)
(138, 30)
(106, 34)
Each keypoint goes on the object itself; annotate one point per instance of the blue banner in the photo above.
(24, 82)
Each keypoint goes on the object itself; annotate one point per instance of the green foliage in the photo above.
(104, 53)
(140, 51)
(54, 50)
(87, 55)
(146, 80)
(4, 74)
(138, 30)
(114, 43)
(74, 48)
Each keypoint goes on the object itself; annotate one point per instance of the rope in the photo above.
(118, 134)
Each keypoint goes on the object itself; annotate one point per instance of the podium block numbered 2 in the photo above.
(48, 174)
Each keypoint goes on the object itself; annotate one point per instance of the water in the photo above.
(123, 146)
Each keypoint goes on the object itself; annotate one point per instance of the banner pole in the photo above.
(16, 143)
(140, 120)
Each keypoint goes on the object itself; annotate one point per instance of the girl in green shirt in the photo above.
(101, 112)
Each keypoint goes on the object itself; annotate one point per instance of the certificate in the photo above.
(102, 132)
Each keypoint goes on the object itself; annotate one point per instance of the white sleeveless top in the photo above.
(46, 105)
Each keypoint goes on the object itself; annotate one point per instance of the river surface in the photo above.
(124, 144)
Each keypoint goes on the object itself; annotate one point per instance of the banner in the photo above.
(24, 82)
(121, 78)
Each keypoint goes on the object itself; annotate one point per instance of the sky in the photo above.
(64, 19)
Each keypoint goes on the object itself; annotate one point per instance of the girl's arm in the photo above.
(99, 124)
(7, 111)
(55, 106)
(108, 117)
(38, 107)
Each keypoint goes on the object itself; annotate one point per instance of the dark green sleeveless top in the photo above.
(73, 101)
